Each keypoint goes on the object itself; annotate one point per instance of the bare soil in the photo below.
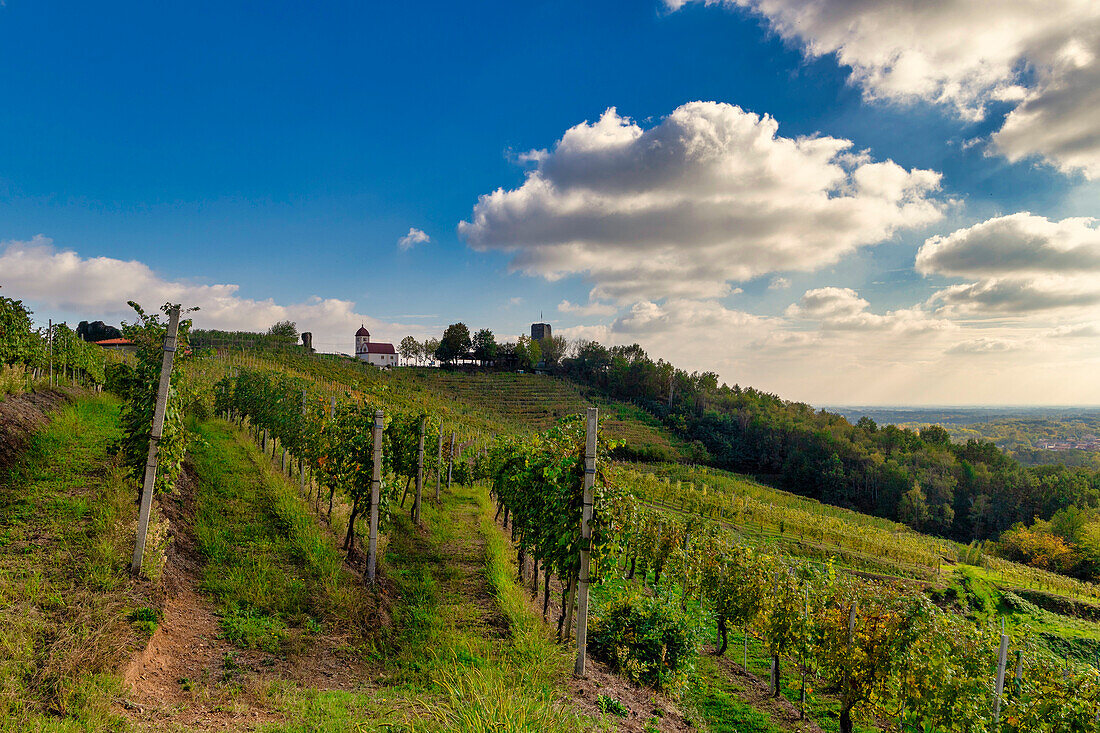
(22, 415)
(187, 675)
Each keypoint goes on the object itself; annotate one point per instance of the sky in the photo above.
(840, 202)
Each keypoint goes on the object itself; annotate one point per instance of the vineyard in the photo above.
(359, 512)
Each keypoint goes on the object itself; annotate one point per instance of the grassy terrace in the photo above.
(66, 518)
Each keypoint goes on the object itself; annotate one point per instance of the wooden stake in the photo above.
(1002, 656)
(419, 471)
(439, 466)
(301, 463)
(159, 408)
(450, 461)
(586, 538)
(375, 486)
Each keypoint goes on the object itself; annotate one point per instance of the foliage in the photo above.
(454, 344)
(540, 481)
(284, 331)
(19, 344)
(485, 345)
(528, 353)
(139, 384)
(96, 331)
(611, 706)
(410, 349)
(650, 639)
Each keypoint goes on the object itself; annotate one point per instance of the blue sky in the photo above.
(285, 149)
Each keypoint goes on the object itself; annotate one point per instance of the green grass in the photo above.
(267, 562)
(448, 665)
(66, 535)
(719, 703)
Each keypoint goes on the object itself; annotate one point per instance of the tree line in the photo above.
(458, 345)
(967, 491)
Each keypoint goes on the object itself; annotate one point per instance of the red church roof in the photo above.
(362, 331)
(378, 348)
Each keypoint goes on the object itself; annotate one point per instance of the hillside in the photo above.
(260, 618)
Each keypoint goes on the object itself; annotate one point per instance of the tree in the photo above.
(528, 353)
(860, 641)
(485, 346)
(553, 349)
(427, 349)
(410, 348)
(454, 344)
(96, 331)
(284, 331)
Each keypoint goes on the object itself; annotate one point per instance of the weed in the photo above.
(611, 706)
(144, 620)
(253, 629)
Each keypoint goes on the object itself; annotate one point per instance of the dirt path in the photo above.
(756, 692)
(465, 586)
(188, 676)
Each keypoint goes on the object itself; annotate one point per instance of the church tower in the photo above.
(362, 340)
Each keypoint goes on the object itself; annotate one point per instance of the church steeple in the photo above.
(362, 340)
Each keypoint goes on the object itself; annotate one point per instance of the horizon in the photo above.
(804, 201)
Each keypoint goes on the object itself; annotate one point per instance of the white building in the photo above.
(380, 354)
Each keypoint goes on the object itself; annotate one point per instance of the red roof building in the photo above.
(378, 353)
(117, 344)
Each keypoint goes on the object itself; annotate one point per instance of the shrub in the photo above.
(649, 639)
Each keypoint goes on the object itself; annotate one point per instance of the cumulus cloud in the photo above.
(711, 194)
(1081, 330)
(591, 309)
(41, 274)
(677, 315)
(1018, 244)
(1019, 263)
(779, 283)
(413, 238)
(842, 309)
(983, 346)
(1041, 56)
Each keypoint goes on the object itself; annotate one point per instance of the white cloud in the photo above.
(1042, 56)
(711, 194)
(1081, 330)
(842, 309)
(1021, 263)
(413, 238)
(591, 309)
(42, 275)
(779, 283)
(832, 349)
(1018, 244)
(678, 314)
(983, 346)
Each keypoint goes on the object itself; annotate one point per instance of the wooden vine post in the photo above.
(159, 408)
(586, 538)
(450, 461)
(439, 466)
(301, 463)
(375, 486)
(419, 471)
(1002, 657)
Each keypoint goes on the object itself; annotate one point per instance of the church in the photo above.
(378, 353)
